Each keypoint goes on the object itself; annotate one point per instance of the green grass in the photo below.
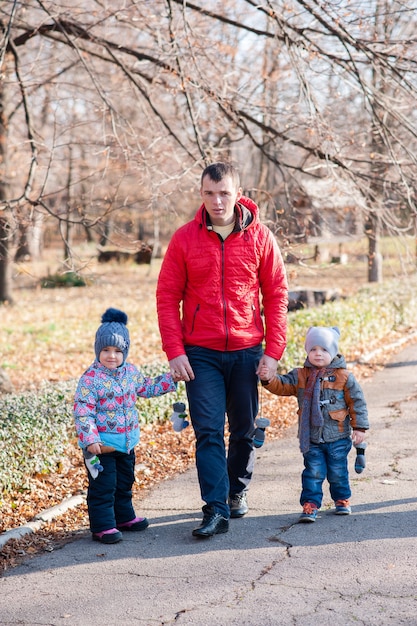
(390, 247)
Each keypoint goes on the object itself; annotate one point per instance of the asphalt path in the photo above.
(267, 570)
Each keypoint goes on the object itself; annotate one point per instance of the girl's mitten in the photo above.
(178, 417)
(259, 435)
(360, 461)
(92, 463)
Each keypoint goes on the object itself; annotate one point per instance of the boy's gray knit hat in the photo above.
(113, 332)
(326, 337)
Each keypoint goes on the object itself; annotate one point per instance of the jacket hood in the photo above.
(246, 209)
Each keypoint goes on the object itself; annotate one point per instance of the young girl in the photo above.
(107, 425)
(332, 414)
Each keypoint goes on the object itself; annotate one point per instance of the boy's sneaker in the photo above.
(238, 505)
(342, 507)
(108, 536)
(309, 513)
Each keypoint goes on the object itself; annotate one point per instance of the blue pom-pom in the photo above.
(114, 315)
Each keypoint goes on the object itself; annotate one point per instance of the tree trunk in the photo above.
(106, 232)
(88, 235)
(374, 256)
(36, 236)
(66, 227)
(29, 245)
(22, 251)
(5, 277)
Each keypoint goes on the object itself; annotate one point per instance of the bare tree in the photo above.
(144, 94)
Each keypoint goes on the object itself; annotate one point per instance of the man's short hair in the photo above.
(218, 171)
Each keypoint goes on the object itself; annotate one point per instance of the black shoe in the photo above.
(213, 524)
(238, 505)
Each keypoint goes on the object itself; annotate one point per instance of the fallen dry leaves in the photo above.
(48, 335)
(162, 454)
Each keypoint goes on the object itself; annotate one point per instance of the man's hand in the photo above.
(263, 373)
(267, 367)
(181, 369)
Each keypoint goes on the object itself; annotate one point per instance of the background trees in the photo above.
(108, 113)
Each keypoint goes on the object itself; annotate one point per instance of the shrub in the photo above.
(69, 279)
(34, 431)
(375, 312)
(36, 427)
(153, 409)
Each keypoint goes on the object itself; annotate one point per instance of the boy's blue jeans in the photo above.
(326, 460)
(109, 496)
(225, 383)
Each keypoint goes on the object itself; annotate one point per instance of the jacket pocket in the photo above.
(339, 415)
(258, 325)
(196, 310)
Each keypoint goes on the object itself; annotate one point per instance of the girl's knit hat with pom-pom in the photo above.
(113, 332)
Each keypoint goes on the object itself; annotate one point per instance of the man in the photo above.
(208, 301)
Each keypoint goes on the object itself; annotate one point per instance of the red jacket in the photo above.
(218, 284)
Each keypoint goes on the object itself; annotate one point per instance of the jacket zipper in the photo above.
(223, 298)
